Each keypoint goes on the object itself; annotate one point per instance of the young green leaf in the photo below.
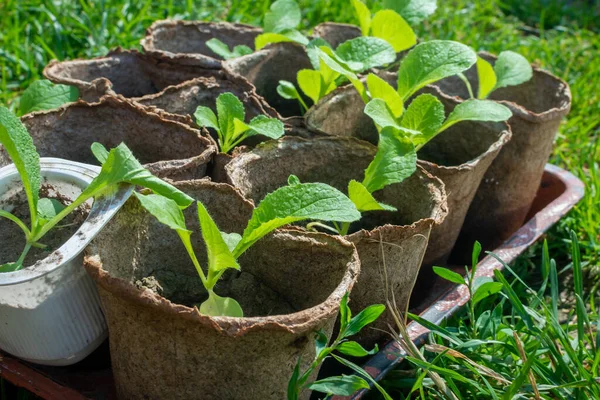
(381, 114)
(363, 52)
(391, 27)
(44, 95)
(511, 69)
(431, 61)
(345, 313)
(221, 49)
(363, 318)
(363, 200)
(165, 210)
(263, 125)
(267, 38)
(313, 54)
(321, 341)
(290, 204)
(487, 78)
(231, 239)
(344, 385)
(207, 118)
(310, 82)
(219, 255)
(353, 349)
(287, 90)
(477, 110)
(293, 180)
(380, 89)
(449, 275)
(330, 60)
(292, 389)
(19, 145)
(485, 290)
(48, 209)
(395, 160)
(283, 15)
(218, 306)
(9, 267)
(364, 16)
(229, 108)
(414, 11)
(100, 152)
(425, 114)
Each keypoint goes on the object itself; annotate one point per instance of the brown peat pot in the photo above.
(167, 148)
(187, 39)
(396, 240)
(290, 286)
(126, 72)
(335, 33)
(510, 184)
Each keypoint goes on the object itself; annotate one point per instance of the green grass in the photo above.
(32, 32)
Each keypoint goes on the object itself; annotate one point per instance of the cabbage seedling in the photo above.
(331, 68)
(288, 204)
(344, 385)
(229, 122)
(221, 49)
(280, 24)
(118, 166)
(510, 69)
(385, 24)
(44, 95)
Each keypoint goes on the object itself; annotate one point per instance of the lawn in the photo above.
(564, 41)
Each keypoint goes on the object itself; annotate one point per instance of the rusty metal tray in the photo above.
(92, 378)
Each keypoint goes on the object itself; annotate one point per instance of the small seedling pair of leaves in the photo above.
(221, 49)
(118, 166)
(44, 95)
(387, 25)
(281, 24)
(229, 122)
(292, 203)
(344, 385)
(510, 69)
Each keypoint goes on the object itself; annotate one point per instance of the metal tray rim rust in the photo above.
(453, 299)
(562, 193)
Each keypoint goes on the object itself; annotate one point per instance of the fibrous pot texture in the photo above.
(335, 33)
(266, 67)
(167, 148)
(125, 72)
(187, 39)
(290, 286)
(396, 240)
(511, 183)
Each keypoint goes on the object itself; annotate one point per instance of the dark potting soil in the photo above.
(255, 298)
(13, 238)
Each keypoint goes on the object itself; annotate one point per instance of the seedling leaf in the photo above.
(48, 209)
(449, 275)
(345, 313)
(396, 160)
(344, 385)
(290, 204)
(44, 95)
(263, 125)
(287, 90)
(9, 267)
(391, 27)
(165, 210)
(229, 108)
(19, 145)
(353, 349)
(363, 52)
(425, 114)
(309, 81)
(363, 200)
(485, 290)
(231, 239)
(487, 78)
(381, 114)
(267, 38)
(431, 61)
(218, 306)
(511, 69)
(207, 118)
(221, 49)
(100, 152)
(363, 318)
(283, 15)
(320, 342)
(380, 89)
(364, 16)
(414, 11)
(477, 110)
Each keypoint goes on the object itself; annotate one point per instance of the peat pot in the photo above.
(511, 183)
(271, 64)
(290, 286)
(126, 72)
(187, 39)
(396, 240)
(336, 33)
(50, 310)
(169, 149)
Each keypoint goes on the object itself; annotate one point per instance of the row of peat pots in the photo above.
(475, 181)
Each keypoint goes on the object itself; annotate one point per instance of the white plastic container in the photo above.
(50, 312)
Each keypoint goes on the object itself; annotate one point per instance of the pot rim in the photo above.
(297, 322)
(103, 209)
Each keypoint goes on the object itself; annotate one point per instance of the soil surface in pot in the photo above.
(13, 238)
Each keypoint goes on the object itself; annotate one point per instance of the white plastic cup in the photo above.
(50, 312)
